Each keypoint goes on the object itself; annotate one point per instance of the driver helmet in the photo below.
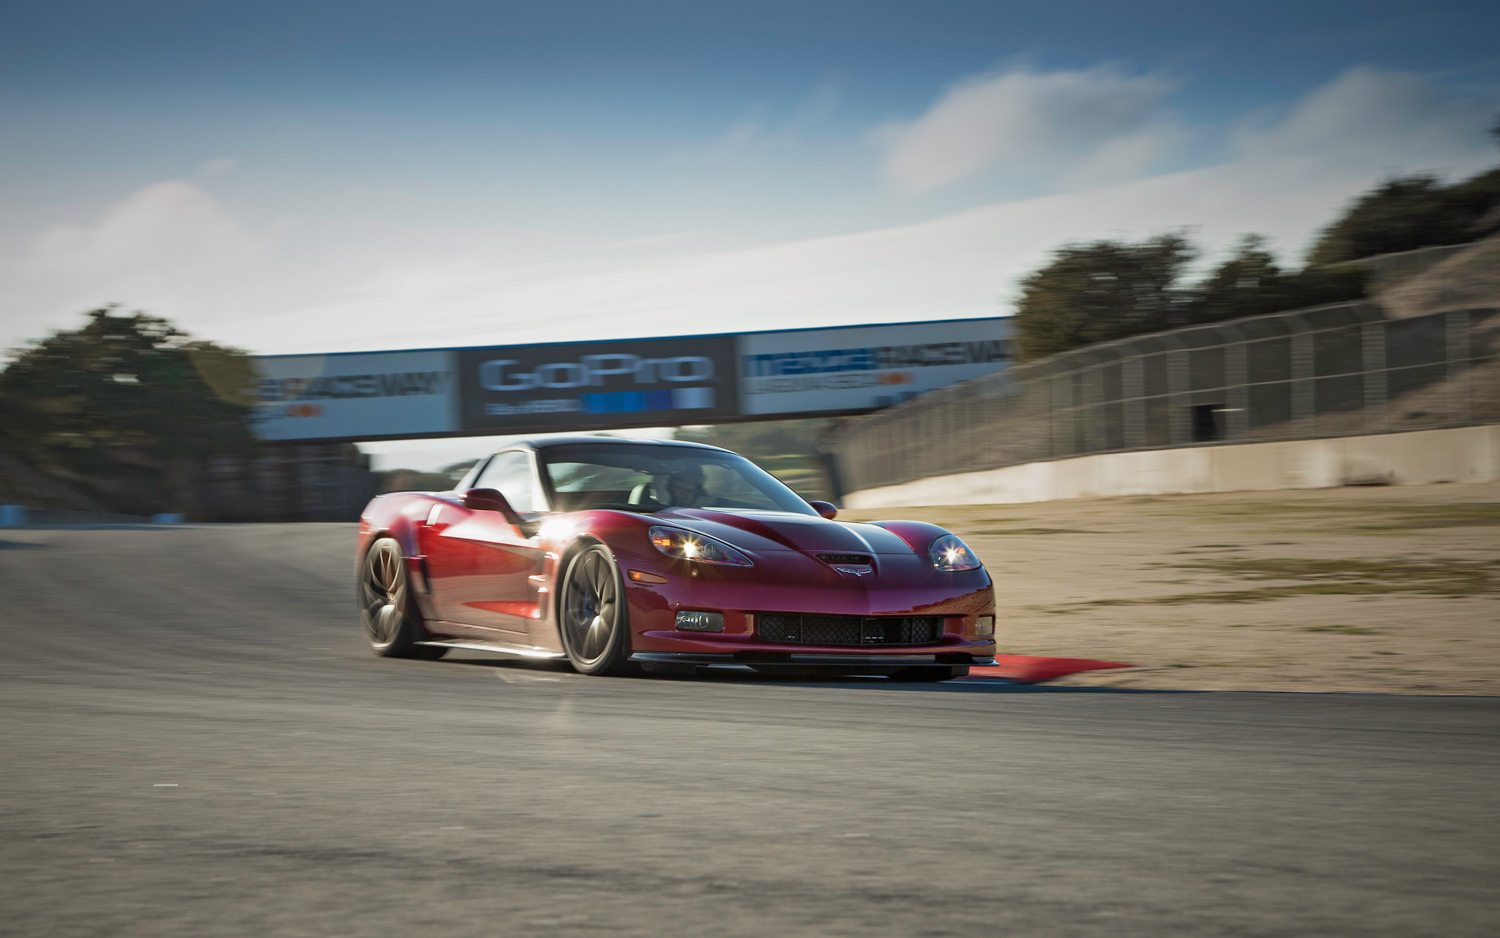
(685, 486)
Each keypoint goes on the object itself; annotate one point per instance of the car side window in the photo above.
(510, 474)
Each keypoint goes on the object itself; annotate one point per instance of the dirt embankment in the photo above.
(1382, 590)
(1469, 279)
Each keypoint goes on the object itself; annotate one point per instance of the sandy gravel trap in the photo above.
(1371, 589)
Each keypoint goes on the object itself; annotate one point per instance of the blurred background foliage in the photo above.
(413, 480)
(788, 449)
(127, 409)
(1104, 290)
(1408, 213)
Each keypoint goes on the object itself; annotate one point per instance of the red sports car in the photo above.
(625, 554)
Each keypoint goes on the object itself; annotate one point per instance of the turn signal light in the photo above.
(985, 626)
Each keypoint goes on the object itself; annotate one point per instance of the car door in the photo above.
(480, 565)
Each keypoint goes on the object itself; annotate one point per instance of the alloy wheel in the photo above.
(382, 593)
(591, 606)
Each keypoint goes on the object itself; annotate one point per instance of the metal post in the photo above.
(1062, 411)
(1456, 329)
(1095, 439)
(1179, 418)
(1372, 361)
(1236, 390)
(1133, 389)
(1302, 383)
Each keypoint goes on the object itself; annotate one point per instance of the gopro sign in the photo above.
(597, 385)
(592, 371)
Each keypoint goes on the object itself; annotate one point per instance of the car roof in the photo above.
(541, 443)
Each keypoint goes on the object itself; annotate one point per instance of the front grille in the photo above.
(792, 629)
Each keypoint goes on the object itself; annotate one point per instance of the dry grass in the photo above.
(1389, 589)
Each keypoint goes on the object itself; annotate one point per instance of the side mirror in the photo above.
(491, 500)
(826, 509)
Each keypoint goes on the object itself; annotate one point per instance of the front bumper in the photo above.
(800, 660)
(740, 640)
(793, 583)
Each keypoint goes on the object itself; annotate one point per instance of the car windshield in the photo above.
(648, 478)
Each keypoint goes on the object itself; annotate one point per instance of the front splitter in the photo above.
(732, 662)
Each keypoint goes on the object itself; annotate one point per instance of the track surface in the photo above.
(322, 791)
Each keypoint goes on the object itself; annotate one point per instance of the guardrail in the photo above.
(1330, 371)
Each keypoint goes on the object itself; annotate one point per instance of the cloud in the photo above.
(195, 261)
(1123, 158)
(762, 131)
(1368, 117)
(1032, 124)
(957, 265)
(169, 247)
(172, 227)
(219, 166)
(1290, 177)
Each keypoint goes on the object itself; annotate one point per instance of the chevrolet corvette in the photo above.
(624, 555)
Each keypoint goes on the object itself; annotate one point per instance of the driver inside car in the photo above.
(684, 488)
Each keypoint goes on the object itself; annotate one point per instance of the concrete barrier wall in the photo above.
(1464, 454)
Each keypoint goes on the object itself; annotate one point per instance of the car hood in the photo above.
(780, 530)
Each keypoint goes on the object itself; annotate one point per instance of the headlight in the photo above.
(685, 545)
(951, 554)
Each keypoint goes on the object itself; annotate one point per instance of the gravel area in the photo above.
(1370, 589)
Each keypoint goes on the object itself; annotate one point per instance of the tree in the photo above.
(455, 472)
(1111, 290)
(1250, 283)
(789, 449)
(1101, 291)
(1399, 215)
(417, 480)
(1479, 199)
(127, 405)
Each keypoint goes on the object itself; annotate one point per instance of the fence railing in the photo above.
(1329, 371)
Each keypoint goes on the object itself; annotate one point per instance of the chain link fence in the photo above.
(1329, 371)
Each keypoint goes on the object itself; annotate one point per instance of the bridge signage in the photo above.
(615, 384)
(864, 368)
(365, 395)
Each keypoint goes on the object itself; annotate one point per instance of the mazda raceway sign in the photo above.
(607, 385)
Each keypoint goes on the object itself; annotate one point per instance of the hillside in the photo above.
(1467, 279)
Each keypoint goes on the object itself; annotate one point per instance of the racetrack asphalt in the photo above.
(196, 741)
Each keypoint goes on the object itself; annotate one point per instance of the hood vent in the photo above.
(863, 560)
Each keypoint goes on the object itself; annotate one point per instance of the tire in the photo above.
(592, 617)
(385, 606)
(927, 675)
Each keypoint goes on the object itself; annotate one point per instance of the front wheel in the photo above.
(592, 617)
(385, 605)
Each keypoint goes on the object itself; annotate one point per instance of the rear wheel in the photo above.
(385, 604)
(593, 620)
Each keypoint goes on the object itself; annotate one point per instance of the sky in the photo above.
(309, 177)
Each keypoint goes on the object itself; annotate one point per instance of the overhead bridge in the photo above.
(620, 383)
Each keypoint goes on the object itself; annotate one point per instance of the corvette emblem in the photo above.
(853, 571)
